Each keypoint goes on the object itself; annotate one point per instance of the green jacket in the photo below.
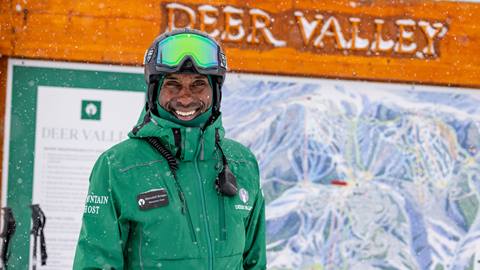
(206, 231)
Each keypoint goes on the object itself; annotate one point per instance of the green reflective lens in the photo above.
(175, 48)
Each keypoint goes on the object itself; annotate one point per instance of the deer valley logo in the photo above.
(91, 110)
(243, 195)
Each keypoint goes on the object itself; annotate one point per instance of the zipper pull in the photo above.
(182, 199)
(201, 148)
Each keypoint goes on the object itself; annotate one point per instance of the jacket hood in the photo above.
(186, 143)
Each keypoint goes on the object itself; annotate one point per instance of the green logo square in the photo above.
(91, 109)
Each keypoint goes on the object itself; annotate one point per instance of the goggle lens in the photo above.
(174, 49)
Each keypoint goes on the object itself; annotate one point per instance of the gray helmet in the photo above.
(184, 51)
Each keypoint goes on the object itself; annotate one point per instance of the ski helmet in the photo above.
(184, 51)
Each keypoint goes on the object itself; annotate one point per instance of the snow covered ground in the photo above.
(362, 175)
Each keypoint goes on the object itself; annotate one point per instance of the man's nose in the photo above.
(185, 97)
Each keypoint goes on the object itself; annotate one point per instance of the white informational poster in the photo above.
(73, 127)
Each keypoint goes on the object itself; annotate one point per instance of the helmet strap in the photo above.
(217, 97)
(150, 105)
(153, 89)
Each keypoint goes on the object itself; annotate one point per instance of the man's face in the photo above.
(185, 95)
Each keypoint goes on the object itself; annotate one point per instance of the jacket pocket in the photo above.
(190, 225)
(169, 238)
(186, 213)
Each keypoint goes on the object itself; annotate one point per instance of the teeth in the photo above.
(184, 113)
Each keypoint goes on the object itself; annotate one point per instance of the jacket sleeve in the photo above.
(254, 255)
(102, 237)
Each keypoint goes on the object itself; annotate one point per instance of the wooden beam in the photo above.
(6, 28)
(3, 94)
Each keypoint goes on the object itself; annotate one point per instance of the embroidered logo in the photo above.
(94, 203)
(243, 195)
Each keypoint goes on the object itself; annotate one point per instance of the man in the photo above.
(176, 194)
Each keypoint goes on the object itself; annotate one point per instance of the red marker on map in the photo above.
(337, 182)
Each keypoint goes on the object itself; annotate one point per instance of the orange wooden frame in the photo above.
(118, 32)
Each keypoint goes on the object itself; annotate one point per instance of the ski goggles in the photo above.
(174, 50)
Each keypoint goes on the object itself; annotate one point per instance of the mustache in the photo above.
(174, 104)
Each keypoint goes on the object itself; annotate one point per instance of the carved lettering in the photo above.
(233, 24)
(307, 29)
(172, 7)
(357, 43)
(379, 44)
(207, 20)
(431, 32)
(260, 23)
(331, 28)
(405, 36)
(248, 28)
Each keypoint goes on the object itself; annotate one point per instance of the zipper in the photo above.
(140, 247)
(221, 214)
(202, 148)
(204, 207)
(185, 211)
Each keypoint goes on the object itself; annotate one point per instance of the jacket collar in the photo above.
(185, 143)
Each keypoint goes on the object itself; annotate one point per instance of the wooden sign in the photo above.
(315, 31)
(430, 42)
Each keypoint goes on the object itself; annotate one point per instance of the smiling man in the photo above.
(177, 194)
(186, 96)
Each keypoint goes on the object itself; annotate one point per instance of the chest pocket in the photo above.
(230, 236)
(164, 230)
(234, 211)
(233, 215)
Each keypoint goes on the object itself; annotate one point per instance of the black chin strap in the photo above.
(150, 106)
(146, 119)
(217, 95)
(226, 182)
(217, 98)
(152, 95)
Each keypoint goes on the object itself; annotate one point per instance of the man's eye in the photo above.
(199, 83)
(172, 84)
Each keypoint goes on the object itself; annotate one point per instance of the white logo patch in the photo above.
(243, 195)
